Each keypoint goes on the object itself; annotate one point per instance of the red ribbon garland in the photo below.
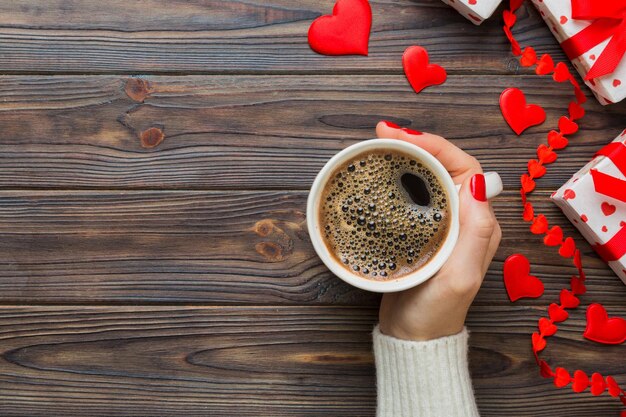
(608, 19)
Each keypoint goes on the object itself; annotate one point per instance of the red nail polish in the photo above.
(412, 132)
(391, 124)
(478, 188)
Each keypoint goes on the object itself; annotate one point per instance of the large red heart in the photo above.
(519, 115)
(602, 329)
(517, 279)
(345, 32)
(418, 71)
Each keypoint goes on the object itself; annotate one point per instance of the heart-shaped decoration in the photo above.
(569, 194)
(528, 184)
(562, 377)
(509, 18)
(539, 225)
(519, 115)
(345, 32)
(546, 327)
(566, 126)
(556, 140)
(602, 329)
(554, 237)
(563, 20)
(607, 208)
(545, 65)
(561, 73)
(614, 389)
(529, 57)
(580, 382)
(616, 83)
(529, 212)
(598, 385)
(418, 71)
(546, 154)
(578, 286)
(576, 111)
(568, 299)
(567, 248)
(517, 279)
(536, 169)
(538, 342)
(545, 370)
(557, 313)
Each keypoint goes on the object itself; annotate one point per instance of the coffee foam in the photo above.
(370, 222)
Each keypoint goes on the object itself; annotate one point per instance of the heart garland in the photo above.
(600, 327)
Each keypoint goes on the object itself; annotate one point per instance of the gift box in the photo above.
(476, 11)
(594, 199)
(593, 36)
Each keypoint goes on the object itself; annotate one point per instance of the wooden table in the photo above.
(155, 158)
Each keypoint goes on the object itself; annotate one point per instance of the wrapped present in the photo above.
(594, 199)
(593, 36)
(476, 11)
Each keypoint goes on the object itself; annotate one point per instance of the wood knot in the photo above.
(151, 137)
(273, 252)
(138, 89)
(264, 227)
(277, 245)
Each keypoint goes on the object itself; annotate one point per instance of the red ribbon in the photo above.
(608, 19)
(608, 185)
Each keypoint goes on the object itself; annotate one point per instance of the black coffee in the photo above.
(384, 214)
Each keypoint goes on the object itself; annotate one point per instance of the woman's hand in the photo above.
(439, 306)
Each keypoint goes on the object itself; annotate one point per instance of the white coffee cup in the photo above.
(493, 188)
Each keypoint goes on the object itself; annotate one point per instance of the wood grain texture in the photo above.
(259, 132)
(263, 361)
(197, 36)
(216, 247)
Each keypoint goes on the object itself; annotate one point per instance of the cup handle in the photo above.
(493, 184)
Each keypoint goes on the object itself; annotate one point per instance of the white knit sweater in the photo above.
(423, 379)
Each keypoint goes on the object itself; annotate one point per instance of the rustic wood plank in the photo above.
(216, 247)
(263, 361)
(164, 36)
(251, 132)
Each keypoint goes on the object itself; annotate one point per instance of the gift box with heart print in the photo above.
(593, 36)
(594, 199)
(476, 11)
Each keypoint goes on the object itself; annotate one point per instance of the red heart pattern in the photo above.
(567, 248)
(519, 115)
(545, 154)
(556, 140)
(580, 381)
(607, 208)
(598, 385)
(539, 225)
(568, 299)
(562, 377)
(518, 281)
(345, 32)
(602, 329)
(566, 126)
(418, 71)
(557, 313)
(554, 237)
(545, 65)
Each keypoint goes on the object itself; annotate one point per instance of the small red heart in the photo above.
(592, 57)
(557, 313)
(607, 208)
(545, 370)
(602, 329)
(472, 2)
(569, 194)
(581, 381)
(576, 111)
(517, 279)
(578, 286)
(540, 225)
(509, 18)
(529, 212)
(562, 377)
(616, 82)
(614, 389)
(545, 65)
(418, 71)
(584, 218)
(605, 229)
(546, 327)
(597, 384)
(561, 73)
(538, 342)
(567, 248)
(528, 184)
(519, 115)
(554, 237)
(536, 169)
(345, 32)
(545, 154)
(568, 300)
(563, 20)
(566, 126)
(529, 57)
(556, 140)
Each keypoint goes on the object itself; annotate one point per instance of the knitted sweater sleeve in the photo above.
(423, 379)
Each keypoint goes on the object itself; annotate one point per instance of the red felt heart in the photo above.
(568, 299)
(602, 329)
(545, 369)
(517, 279)
(569, 194)
(576, 111)
(556, 140)
(546, 327)
(539, 343)
(519, 115)
(545, 154)
(545, 65)
(536, 169)
(578, 286)
(529, 212)
(529, 57)
(554, 236)
(418, 71)
(614, 389)
(509, 18)
(562, 377)
(598, 385)
(345, 32)
(581, 381)
(567, 248)
(566, 126)
(515, 4)
(577, 259)
(607, 208)
(561, 73)
(528, 184)
(540, 225)
(557, 313)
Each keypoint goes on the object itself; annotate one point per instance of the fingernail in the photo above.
(412, 132)
(478, 188)
(391, 124)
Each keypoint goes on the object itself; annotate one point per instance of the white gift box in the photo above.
(595, 207)
(476, 11)
(609, 88)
